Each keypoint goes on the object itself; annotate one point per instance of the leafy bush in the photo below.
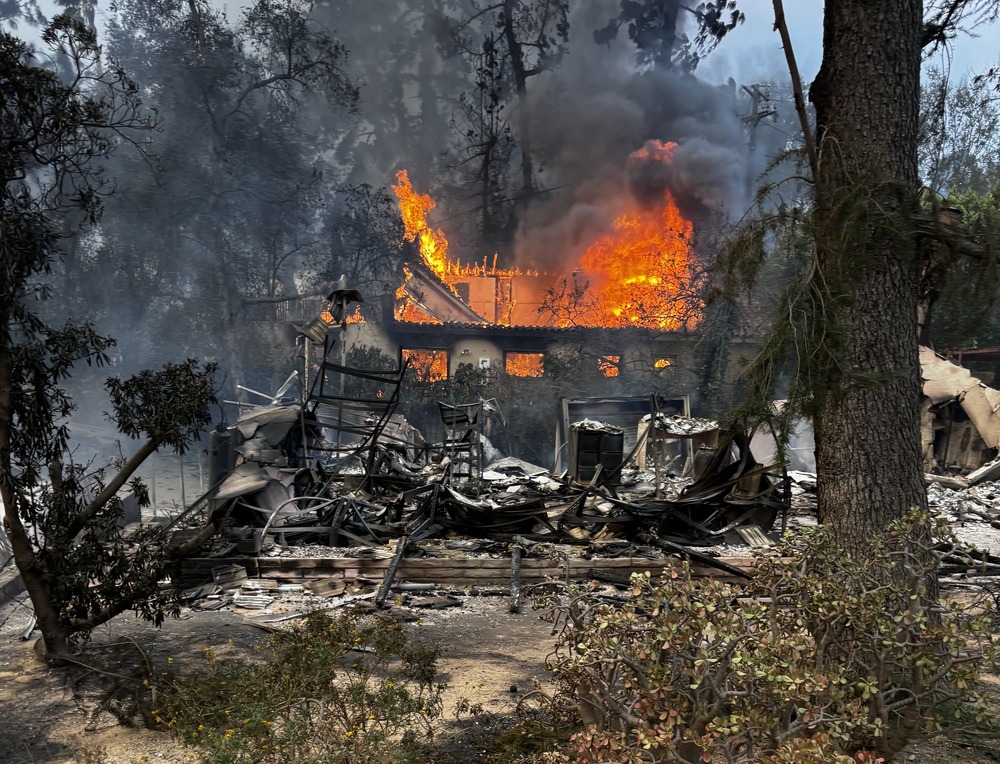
(822, 658)
(339, 690)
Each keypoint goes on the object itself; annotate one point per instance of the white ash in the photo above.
(322, 552)
(510, 465)
(957, 505)
(682, 425)
(593, 425)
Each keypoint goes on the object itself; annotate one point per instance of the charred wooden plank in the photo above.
(516, 551)
(390, 574)
(691, 554)
(610, 578)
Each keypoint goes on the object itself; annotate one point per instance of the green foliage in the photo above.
(92, 566)
(170, 406)
(371, 358)
(964, 315)
(336, 689)
(805, 344)
(821, 658)
(959, 134)
(58, 123)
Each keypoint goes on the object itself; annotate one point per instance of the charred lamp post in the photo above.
(335, 314)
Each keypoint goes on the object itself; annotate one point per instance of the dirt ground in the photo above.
(491, 657)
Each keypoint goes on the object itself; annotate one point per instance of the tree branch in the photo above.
(83, 518)
(800, 101)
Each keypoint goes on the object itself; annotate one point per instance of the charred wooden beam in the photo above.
(610, 578)
(691, 554)
(390, 573)
(516, 551)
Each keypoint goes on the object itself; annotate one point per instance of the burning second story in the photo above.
(627, 302)
(641, 271)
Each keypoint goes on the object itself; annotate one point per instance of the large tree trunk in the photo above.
(867, 429)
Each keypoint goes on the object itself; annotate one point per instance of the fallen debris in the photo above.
(341, 470)
(386, 508)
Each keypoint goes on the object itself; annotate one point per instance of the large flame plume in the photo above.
(641, 269)
(637, 274)
(414, 208)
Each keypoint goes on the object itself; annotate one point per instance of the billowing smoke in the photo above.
(702, 176)
(249, 189)
(593, 113)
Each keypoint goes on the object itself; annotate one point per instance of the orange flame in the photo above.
(638, 274)
(641, 268)
(428, 365)
(406, 307)
(414, 208)
(609, 365)
(411, 313)
(433, 244)
(524, 365)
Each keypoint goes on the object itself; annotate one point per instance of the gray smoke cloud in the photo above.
(588, 116)
(593, 113)
(704, 177)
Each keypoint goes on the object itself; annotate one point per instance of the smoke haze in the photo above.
(256, 193)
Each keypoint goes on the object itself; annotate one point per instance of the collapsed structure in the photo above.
(337, 467)
(334, 488)
(960, 415)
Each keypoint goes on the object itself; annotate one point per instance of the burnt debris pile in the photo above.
(332, 474)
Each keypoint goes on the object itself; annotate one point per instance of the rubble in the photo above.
(682, 426)
(305, 486)
(342, 469)
(592, 425)
(446, 568)
(338, 495)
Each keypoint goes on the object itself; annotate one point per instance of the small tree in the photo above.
(63, 518)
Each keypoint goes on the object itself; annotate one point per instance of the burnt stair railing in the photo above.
(352, 406)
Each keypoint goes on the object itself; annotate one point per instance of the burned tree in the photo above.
(78, 564)
(520, 40)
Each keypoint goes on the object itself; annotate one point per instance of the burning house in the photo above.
(632, 296)
(337, 466)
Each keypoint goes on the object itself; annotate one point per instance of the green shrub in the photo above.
(821, 658)
(335, 690)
